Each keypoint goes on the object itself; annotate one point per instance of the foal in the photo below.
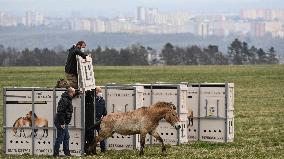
(141, 121)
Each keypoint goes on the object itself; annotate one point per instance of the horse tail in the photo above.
(16, 125)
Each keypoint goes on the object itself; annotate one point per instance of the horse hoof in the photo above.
(164, 153)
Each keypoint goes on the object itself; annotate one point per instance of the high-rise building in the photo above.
(266, 14)
(112, 26)
(98, 26)
(141, 14)
(277, 14)
(202, 29)
(33, 18)
(86, 25)
(273, 26)
(151, 16)
(8, 20)
(258, 29)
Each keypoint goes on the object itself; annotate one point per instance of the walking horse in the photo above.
(142, 121)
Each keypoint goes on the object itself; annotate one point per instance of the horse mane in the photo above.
(165, 104)
(16, 121)
(35, 116)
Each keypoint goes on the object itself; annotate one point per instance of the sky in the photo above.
(107, 8)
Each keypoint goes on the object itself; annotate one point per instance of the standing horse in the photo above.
(20, 123)
(141, 121)
(39, 122)
(27, 122)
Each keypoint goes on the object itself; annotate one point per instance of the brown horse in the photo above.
(39, 122)
(27, 122)
(19, 123)
(141, 121)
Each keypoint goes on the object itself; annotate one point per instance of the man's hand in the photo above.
(62, 126)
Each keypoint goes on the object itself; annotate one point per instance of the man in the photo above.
(61, 121)
(71, 63)
(100, 112)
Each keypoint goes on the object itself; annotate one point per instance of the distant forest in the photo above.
(238, 53)
(42, 37)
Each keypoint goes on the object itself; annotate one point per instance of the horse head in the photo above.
(30, 114)
(172, 116)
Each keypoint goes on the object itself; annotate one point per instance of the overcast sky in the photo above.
(128, 7)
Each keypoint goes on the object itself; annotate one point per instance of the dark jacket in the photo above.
(100, 108)
(64, 109)
(71, 63)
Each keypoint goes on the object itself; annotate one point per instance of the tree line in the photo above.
(238, 53)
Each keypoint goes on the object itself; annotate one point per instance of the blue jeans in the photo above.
(62, 136)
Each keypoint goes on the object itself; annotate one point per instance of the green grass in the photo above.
(259, 105)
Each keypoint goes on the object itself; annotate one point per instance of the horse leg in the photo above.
(142, 143)
(46, 131)
(102, 135)
(158, 137)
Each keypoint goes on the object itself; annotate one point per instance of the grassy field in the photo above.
(259, 105)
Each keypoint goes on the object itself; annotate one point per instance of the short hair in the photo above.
(98, 89)
(70, 89)
(80, 43)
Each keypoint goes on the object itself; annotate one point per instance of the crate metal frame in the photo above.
(33, 89)
(226, 99)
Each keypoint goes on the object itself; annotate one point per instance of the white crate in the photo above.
(212, 130)
(170, 135)
(215, 130)
(174, 93)
(215, 100)
(18, 102)
(122, 99)
(18, 145)
(211, 107)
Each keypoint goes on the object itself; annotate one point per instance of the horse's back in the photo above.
(122, 122)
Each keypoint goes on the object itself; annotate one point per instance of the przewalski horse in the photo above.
(27, 122)
(141, 121)
(39, 122)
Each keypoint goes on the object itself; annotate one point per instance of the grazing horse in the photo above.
(21, 122)
(39, 122)
(141, 121)
(27, 122)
